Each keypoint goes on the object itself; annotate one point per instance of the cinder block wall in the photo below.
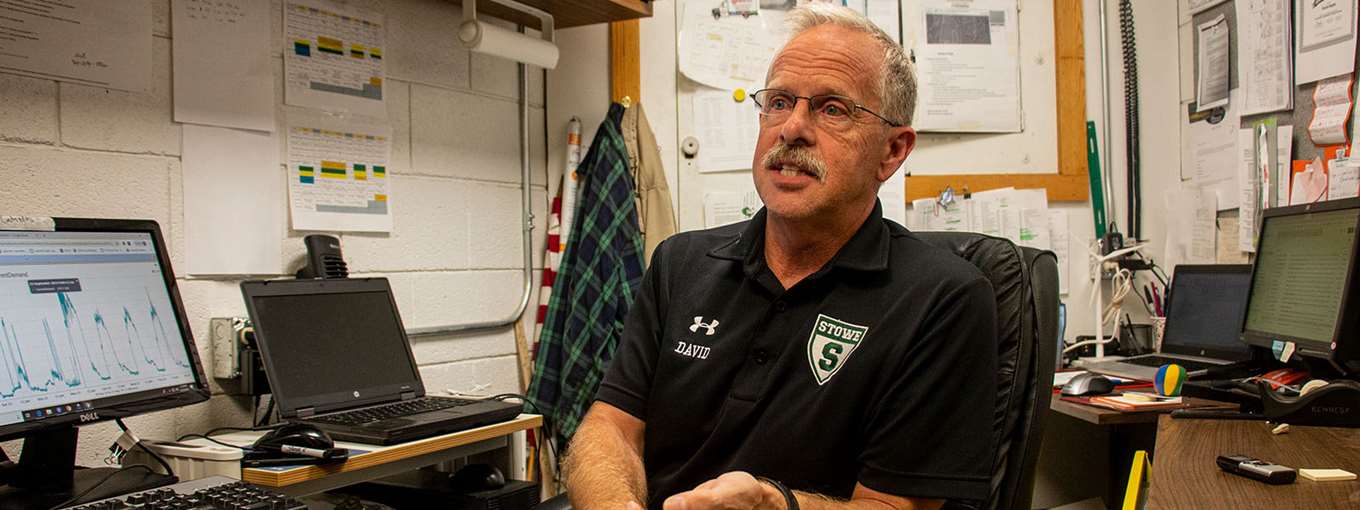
(454, 253)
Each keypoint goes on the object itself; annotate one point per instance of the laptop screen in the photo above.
(1205, 312)
(331, 344)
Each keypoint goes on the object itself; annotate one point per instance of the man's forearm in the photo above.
(603, 469)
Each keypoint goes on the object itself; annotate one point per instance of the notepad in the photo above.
(1327, 475)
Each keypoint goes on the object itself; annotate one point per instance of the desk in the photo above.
(380, 461)
(1184, 474)
(1087, 451)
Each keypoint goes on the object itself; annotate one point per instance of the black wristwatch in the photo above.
(790, 502)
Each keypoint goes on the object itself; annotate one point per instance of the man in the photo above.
(816, 352)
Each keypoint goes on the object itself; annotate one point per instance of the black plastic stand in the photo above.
(47, 474)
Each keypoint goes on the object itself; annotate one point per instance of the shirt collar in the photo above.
(867, 250)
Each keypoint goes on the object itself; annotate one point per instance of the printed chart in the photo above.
(334, 58)
(338, 179)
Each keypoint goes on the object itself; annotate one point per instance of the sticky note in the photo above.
(1283, 350)
(1327, 475)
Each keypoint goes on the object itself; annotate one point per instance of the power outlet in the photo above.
(224, 333)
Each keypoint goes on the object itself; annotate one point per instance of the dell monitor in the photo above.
(1304, 281)
(91, 329)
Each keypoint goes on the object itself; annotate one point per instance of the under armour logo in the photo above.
(712, 327)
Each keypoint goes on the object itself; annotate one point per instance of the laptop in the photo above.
(338, 358)
(1203, 323)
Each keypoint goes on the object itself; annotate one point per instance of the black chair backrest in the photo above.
(1025, 281)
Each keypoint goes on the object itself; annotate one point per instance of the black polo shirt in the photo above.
(880, 368)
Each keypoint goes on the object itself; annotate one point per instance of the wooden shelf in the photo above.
(569, 14)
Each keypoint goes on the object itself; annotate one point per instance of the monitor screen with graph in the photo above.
(91, 326)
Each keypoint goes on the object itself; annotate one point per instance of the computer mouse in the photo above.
(1088, 384)
(295, 434)
(477, 478)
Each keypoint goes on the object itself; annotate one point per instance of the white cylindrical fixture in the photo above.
(500, 42)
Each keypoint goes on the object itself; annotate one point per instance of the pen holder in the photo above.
(1158, 327)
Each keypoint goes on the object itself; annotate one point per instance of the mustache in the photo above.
(799, 156)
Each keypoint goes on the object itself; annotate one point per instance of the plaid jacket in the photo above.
(600, 271)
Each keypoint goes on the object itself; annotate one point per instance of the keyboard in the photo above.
(1157, 361)
(393, 410)
(211, 493)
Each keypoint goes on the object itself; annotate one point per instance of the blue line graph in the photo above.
(65, 365)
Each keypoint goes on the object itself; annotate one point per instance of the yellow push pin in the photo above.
(739, 95)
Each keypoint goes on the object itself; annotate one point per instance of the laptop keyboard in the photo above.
(393, 410)
(1157, 361)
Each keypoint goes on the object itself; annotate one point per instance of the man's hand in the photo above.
(736, 490)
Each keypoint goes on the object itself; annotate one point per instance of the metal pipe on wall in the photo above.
(527, 217)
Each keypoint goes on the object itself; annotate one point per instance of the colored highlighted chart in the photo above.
(335, 58)
(339, 179)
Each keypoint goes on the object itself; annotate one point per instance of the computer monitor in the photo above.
(92, 330)
(1304, 281)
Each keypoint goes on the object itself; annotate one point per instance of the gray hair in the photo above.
(897, 79)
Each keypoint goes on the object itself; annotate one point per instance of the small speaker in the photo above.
(324, 259)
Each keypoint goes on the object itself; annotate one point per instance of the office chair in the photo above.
(1025, 281)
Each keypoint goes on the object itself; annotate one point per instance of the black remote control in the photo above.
(1257, 469)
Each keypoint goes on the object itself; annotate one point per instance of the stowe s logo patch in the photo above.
(831, 343)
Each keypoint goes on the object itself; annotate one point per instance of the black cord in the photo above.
(268, 411)
(547, 428)
(211, 440)
(148, 451)
(101, 481)
(1129, 42)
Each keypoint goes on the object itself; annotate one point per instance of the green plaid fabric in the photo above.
(601, 269)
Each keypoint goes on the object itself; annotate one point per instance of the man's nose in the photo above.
(799, 127)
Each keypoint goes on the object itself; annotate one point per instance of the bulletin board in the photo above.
(1299, 117)
(1052, 72)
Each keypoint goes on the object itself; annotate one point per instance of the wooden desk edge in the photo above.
(270, 478)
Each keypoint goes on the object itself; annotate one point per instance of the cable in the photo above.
(1128, 39)
(139, 444)
(101, 481)
(211, 440)
(547, 427)
(268, 411)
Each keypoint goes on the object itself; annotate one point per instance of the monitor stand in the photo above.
(46, 474)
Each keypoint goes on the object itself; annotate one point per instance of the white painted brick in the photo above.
(481, 376)
(423, 43)
(160, 18)
(462, 297)
(46, 181)
(455, 134)
(540, 234)
(28, 109)
(494, 226)
(429, 229)
(399, 117)
(107, 119)
(433, 351)
(538, 148)
(172, 231)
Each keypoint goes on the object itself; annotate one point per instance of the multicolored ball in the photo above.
(1169, 379)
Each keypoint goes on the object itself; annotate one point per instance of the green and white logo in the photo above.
(830, 345)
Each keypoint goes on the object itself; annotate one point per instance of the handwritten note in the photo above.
(232, 88)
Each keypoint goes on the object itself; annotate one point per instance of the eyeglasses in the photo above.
(828, 110)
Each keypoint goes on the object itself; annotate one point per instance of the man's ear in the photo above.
(901, 141)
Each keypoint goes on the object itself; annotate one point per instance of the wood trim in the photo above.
(625, 63)
(385, 454)
(1070, 183)
(567, 14)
